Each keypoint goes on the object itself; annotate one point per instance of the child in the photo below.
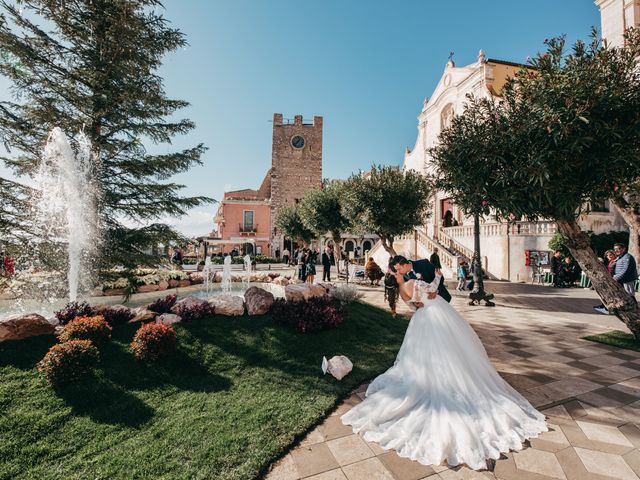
(462, 275)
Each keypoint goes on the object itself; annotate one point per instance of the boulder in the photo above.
(163, 285)
(141, 314)
(190, 300)
(281, 281)
(217, 277)
(148, 288)
(328, 287)
(22, 326)
(168, 318)
(338, 366)
(173, 283)
(184, 283)
(196, 278)
(303, 291)
(230, 305)
(258, 301)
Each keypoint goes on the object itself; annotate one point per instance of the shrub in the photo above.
(69, 362)
(164, 304)
(154, 341)
(346, 294)
(94, 329)
(315, 314)
(72, 310)
(114, 314)
(192, 311)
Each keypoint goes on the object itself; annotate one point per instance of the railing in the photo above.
(543, 227)
(454, 245)
(447, 258)
(247, 228)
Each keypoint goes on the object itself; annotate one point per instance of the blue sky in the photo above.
(365, 66)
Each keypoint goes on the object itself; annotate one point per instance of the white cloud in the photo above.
(195, 223)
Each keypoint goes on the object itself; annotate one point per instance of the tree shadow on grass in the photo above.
(25, 354)
(179, 369)
(104, 402)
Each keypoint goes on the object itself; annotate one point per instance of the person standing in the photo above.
(326, 265)
(435, 259)
(301, 262)
(556, 266)
(310, 265)
(626, 272)
(285, 256)
(462, 275)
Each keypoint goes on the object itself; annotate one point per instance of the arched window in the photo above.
(446, 115)
(349, 246)
(366, 246)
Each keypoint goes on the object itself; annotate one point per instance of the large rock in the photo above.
(168, 318)
(18, 327)
(163, 285)
(196, 278)
(258, 301)
(141, 314)
(303, 291)
(230, 305)
(148, 288)
(190, 300)
(173, 283)
(184, 283)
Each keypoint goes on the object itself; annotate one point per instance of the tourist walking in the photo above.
(285, 256)
(626, 272)
(326, 265)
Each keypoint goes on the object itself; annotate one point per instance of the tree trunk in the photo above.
(632, 219)
(387, 244)
(611, 292)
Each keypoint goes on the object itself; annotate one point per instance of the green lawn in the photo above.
(616, 338)
(237, 395)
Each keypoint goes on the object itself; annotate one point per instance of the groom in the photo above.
(418, 269)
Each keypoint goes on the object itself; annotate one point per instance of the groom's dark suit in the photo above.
(428, 272)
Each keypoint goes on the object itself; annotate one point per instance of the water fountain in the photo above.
(247, 271)
(208, 275)
(226, 275)
(66, 206)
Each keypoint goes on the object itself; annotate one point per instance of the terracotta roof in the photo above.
(505, 62)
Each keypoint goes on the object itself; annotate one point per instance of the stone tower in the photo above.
(296, 165)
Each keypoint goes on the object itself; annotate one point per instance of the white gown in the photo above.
(442, 399)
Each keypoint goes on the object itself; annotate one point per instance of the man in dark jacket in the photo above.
(435, 259)
(422, 269)
(326, 265)
(556, 266)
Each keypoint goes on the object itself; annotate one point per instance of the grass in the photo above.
(616, 338)
(237, 395)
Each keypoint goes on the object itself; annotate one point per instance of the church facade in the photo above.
(504, 247)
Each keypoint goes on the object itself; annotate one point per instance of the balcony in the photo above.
(247, 229)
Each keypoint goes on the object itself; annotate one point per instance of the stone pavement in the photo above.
(589, 392)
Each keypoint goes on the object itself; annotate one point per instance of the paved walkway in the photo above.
(589, 392)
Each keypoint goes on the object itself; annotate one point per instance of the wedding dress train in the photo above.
(442, 399)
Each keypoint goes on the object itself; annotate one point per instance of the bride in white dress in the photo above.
(442, 400)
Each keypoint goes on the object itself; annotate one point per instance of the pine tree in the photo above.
(91, 65)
